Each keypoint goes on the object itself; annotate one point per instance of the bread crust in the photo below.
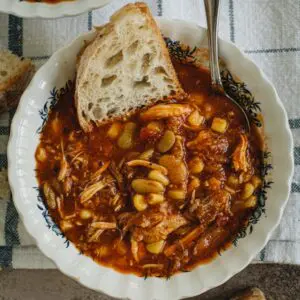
(102, 32)
(12, 89)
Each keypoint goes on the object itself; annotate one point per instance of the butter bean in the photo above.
(144, 186)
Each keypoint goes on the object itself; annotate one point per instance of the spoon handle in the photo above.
(212, 13)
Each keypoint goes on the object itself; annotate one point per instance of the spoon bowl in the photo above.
(212, 18)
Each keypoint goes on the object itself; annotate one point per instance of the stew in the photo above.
(157, 192)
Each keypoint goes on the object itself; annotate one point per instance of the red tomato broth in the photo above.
(98, 149)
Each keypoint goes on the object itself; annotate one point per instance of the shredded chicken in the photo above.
(147, 164)
(144, 219)
(117, 175)
(210, 144)
(69, 217)
(125, 218)
(96, 235)
(239, 158)
(210, 239)
(175, 123)
(161, 111)
(216, 170)
(49, 195)
(117, 202)
(134, 249)
(78, 156)
(195, 129)
(60, 206)
(185, 241)
(208, 209)
(178, 149)
(160, 231)
(177, 171)
(90, 191)
(99, 172)
(64, 166)
(67, 185)
(157, 266)
(104, 225)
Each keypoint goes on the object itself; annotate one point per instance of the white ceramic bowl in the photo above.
(24, 9)
(24, 138)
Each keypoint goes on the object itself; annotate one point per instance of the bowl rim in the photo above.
(26, 9)
(261, 76)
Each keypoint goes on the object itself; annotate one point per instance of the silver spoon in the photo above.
(212, 18)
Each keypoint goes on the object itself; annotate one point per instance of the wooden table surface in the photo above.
(278, 282)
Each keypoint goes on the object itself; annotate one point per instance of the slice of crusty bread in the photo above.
(15, 74)
(126, 66)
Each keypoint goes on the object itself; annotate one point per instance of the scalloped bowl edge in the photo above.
(185, 30)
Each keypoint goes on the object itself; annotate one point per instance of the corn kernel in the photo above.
(248, 190)
(250, 202)
(233, 181)
(256, 181)
(85, 214)
(114, 130)
(219, 125)
(213, 183)
(66, 225)
(156, 247)
(41, 154)
(196, 165)
(193, 184)
(177, 194)
(195, 119)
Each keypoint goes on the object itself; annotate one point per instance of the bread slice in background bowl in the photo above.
(15, 74)
(24, 139)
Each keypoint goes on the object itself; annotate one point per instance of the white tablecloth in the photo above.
(268, 31)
